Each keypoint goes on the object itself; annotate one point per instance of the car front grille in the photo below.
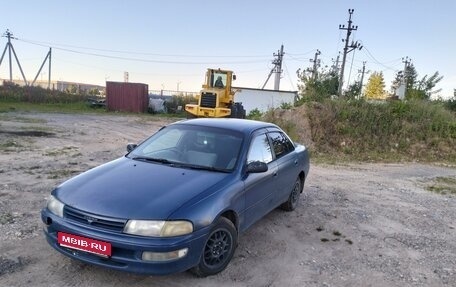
(208, 100)
(112, 224)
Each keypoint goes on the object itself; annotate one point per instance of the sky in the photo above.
(169, 44)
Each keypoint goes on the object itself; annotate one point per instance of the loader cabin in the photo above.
(219, 79)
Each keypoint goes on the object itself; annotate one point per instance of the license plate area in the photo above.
(85, 244)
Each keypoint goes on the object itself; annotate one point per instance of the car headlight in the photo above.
(158, 228)
(55, 206)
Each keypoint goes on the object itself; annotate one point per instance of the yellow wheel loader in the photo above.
(216, 99)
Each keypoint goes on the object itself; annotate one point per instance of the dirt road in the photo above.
(357, 225)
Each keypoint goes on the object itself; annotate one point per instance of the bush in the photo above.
(255, 114)
(451, 104)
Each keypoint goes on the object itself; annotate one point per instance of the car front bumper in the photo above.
(127, 249)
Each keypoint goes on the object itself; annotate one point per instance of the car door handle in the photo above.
(274, 174)
(296, 162)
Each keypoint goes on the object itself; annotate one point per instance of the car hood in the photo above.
(130, 189)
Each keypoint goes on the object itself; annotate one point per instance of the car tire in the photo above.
(293, 198)
(218, 249)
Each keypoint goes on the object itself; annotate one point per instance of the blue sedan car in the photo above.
(178, 200)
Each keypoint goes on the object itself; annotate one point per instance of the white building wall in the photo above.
(263, 99)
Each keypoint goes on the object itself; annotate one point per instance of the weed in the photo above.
(443, 185)
(6, 218)
(10, 144)
(61, 151)
(55, 174)
(21, 119)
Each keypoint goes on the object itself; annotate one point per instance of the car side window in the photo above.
(260, 150)
(281, 144)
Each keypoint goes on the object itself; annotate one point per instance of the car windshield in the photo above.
(192, 146)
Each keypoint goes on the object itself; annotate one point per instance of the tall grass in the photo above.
(415, 129)
(10, 92)
(14, 97)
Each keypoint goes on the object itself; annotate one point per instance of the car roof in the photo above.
(241, 125)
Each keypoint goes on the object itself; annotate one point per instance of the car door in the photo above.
(287, 162)
(259, 187)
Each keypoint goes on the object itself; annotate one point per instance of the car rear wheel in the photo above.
(218, 250)
(293, 199)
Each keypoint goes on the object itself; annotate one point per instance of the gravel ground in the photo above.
(357, 224)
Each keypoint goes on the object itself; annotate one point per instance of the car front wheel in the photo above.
(218, 250)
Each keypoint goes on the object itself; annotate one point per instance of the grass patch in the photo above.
(443, 185)
(77, 107)
(60, 151)
(6, 218)
(15, 118)
(11, 146)
(63, 173)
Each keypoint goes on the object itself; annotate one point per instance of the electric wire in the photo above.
(369, 54)
(54, 45)
(288, 73)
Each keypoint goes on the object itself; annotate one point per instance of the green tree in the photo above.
(317, 89)
(411, 76)
(375, 88)
(417, 89)
(424, 88)
(353, 91)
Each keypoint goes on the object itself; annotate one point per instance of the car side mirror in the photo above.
(131, 147)
(257, 167)
(234, 77)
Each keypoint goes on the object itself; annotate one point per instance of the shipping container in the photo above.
(127, 97)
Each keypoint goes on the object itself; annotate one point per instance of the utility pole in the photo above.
(316, 64)
(353, 45)
(407, 61)
(362, 77)
(49, 78)
(48, 56)
(10, 48)
(277, 69)
(8, 34)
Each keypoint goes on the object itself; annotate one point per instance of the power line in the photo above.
(301, 54)
(54, 45)
(288, 74)
(156, 61)
(369, 54)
